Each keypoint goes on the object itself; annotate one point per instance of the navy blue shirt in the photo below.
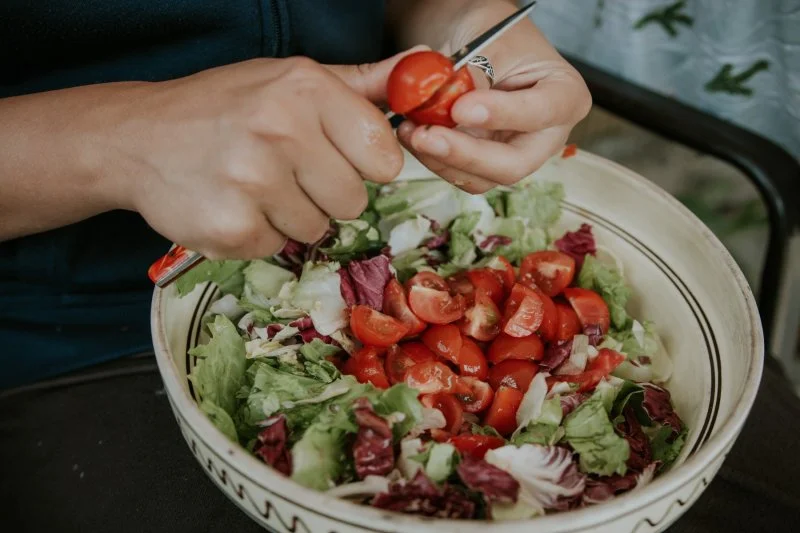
(80, 294)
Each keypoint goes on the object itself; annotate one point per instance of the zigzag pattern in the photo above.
(679, 502)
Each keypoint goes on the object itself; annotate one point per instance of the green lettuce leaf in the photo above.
(354, 238)
(524, 239)
(666, 448)
(607, 281)
(484, 430)
(591, 434)
(466, 222)
(226, 274)
(537, 201)
(401, 399)
(409, 263)
(219, 371)
(265, 278)
(497, 199)
(462, 249)
(539, 433)
(317, 350)
(220, 418)
(441, 461)
(638, 341)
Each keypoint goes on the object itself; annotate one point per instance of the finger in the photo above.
(241, 233)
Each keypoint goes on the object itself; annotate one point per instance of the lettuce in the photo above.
(441, 462)
(462, 250)
(524, 239)
(434, 198)
(608, 282)
(409, 263)
(666, 446)
(319, 294)
(591, 434)
(226, 274)
(265, 278)
(400, 399)
(220, 418)
(536, 201)
(353, 238)
(409, 234)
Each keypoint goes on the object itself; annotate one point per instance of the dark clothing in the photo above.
(79, 295)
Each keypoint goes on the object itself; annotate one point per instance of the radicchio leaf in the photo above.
(640, 453)
(492, 242)
(658, 406)
(373, 454)
(594, 333)
(555, 354)
(495, 484)
(370, 277)
(421, 496)
(293, 255)
(604, 488)
(577, 244)
(346, 288)
(271, 445)
(570, 401)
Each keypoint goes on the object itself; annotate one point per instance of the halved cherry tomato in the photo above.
(482, 320)
(429, 280)
(548, 329)
(476, 445)
(502, 415)
(395, 304)
(596, 369)
(475, 395)
(471, 361)
(449, 406)
(549, 270)
(460, 284)
(568, 323)
(444, 340)
(524, 312)
(366, 366)
(430, 377)
(489, 281)
(590, 308)
(436, 110)
(373, 328)
(505, 347)
(401, 357)
(415, 79)
(435, 306)
(513, 373)
(501, 265)
(440, 435)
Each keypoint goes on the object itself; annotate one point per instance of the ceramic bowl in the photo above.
(683, 279)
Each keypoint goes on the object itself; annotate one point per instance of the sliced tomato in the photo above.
(482, 320)
(513, 373)
(373, 328)
(487, 280)
(590, 308)
(415, 79)
(401, 357)
(476, 445)
(395, 304)
(568, 323)
(505, 347)
(449, 406)
(471, 361)
(460, 284)
(523, 313)
(596, 369)
(436, 110)
(440, 435)
(444, 340)
(435, 306)
(549, 270)
(501, 265)
(474, 394)
(429, 280)
(548, 329)
(367, 367)
(430, 377)
(502, 415)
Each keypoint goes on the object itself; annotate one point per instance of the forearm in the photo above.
(51, 159)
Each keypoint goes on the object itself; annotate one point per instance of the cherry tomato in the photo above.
(590, 308)
(401, 357)
(475, 395)
(502, 415)
(505, 347)
(471, 361)
(548, 329)
(445, 341)
(430, 377)
(596, 369)
(415, 79)
(373, 328)
(366, 366)
(435, 306)
(395, 305)
(429, 280)
(440, 435)
(476, 445)
(460, 284)
(549, 270)
(568, 323)
(513, 373)
(482, 320)
(489, 281)
(501, 265)
(524, 312)
(449, 406)
(436, 110)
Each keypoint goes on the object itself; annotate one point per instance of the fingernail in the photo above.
(435, 145)
(476, 114)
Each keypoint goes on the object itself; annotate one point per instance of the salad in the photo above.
(446, 354)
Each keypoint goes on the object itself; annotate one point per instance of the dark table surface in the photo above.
(100, 451)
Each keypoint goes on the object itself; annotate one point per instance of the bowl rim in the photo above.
(344, 511)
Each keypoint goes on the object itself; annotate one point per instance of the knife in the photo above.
(179, 260)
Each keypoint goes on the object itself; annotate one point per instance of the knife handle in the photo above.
(173, 265)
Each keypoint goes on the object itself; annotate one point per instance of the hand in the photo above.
(507, 132)
(232, 161)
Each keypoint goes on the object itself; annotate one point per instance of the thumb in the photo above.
(370, 79)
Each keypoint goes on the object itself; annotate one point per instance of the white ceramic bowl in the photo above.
(683, 279)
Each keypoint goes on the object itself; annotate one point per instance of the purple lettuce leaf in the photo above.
(492, 242)
(594, 333)
(658, 406)
(640, 453)
(495, 484)
(369, 278)
(555, 354)
(570, 401)
(271, 445)
(577, 244)
(373, 454)
(422, 497)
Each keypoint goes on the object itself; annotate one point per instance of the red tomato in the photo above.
(476, 445)
(415, 79)
(395, 305)
(460, 284)
(475, 395)
(569, 151)
(549, 270)
(548, 329)
(513, 373)
(436, 110)
(524, 312)
(502, 415)
(449, 406)
(486, 279)
(440, 435)
(429, 280)
(435, 306)
(596, 369)
(471, 361)
(501, 265)
(445, 341)
(482, 320)
(568, 323)
(367, 368)
(373, 328)
(590, 308)
(430, 377)
(505, 347)
(401, 357)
